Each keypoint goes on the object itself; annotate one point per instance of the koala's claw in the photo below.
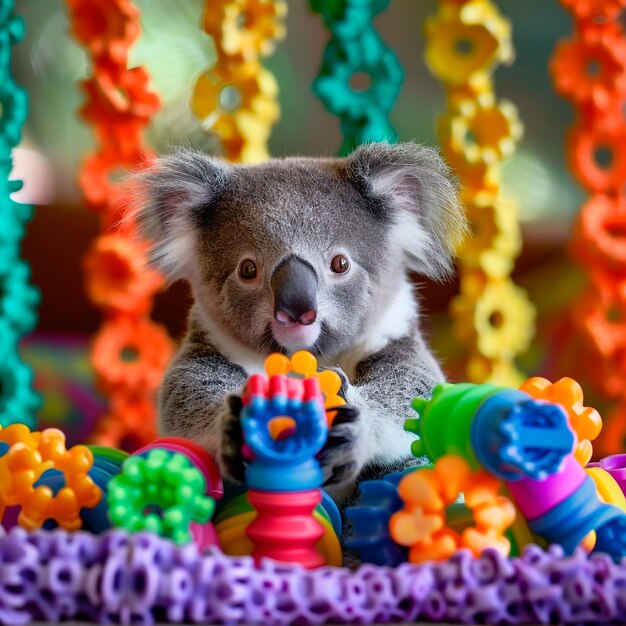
(231, 456)
(340, 457)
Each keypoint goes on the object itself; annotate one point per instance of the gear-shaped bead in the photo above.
(28, 456)
(161, 492)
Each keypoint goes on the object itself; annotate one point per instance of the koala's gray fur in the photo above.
(391, 209)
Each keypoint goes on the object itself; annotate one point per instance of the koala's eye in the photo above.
(247, 269)
(340, 264)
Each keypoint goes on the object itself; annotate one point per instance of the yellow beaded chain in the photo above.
(237, 98)
(465, 41)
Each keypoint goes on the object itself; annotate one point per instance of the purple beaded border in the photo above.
(143, 579)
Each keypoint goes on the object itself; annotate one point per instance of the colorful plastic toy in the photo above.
(237, 99)
(427, 493)
(19, 299)
(204, 534)
(26, 456)
(494, 319)
(115, 576)
(528, 444)
(130, 352)
(283, 475)
(304, 365)
(589, 69)
(584, 421)
(161, 492)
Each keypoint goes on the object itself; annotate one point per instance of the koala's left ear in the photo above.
(411, 187)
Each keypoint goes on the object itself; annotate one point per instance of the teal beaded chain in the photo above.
(356, 50)
(18, 298)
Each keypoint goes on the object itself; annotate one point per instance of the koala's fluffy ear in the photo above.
(170, 200)
(411, 187)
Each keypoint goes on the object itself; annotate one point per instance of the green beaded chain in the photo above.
(356, 50)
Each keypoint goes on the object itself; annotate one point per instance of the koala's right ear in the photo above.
(170, 200)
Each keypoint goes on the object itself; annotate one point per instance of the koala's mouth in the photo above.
(295, 336)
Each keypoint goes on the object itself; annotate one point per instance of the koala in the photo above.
(303, 254)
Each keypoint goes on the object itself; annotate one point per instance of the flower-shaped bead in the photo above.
(237, 101)
(131, 354)
(427, 493)
(588, 9)
(343, 61)
(463, 43)
(118, 277)
(495, 240)
(600, 235)
(119, 90)
(480, 131)
(79, 491)
(18, 298)
(161, 492)
(28, 457)
(97, 177)
(106, 29)
(246, 28)
(597, 156)
(119, 104)
(591, 68)
(241, 150)
(498, 317)
(304, 364)
(583, 420)
(611, 287)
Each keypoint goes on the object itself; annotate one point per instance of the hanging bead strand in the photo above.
(589, 69)
(465, 41)
(129, 352)
(237, 98)
(18, 298)
(360, 77)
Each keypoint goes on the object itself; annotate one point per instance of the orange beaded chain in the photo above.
(130, 352)
(589, 69)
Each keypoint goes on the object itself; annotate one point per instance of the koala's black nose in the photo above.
(294, 284)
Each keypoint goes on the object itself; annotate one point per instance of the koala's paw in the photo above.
(342, 457)
(231, 460)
